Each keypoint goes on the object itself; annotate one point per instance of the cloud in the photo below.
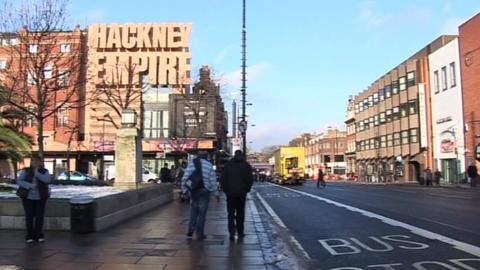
(233, 80)
(218, 59)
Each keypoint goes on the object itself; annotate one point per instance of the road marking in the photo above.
(280, 223)
(474, 250)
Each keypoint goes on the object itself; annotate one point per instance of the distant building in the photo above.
(300, 140)
(326, 151)
(350, 139)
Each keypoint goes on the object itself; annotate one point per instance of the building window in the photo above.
(339, 158)
(394, 87)
(404, 110)
(412, 107)
(155, 124)
(375, 98)
(3, 64)
(388, 115)
(402, 83)
(30, 78)
(389, 140)
(62, 117)
(383, 141)
(436, 85)
(381, 94)
(370, 101)
(33, 48)
(413, 135)
(405, 137)
(65, 48)
(396, 113)
(30, 118)
(382, 118)
(356, 108)
(410, 78)
(388, 91)
(376, 120)
(453, 79)
(326, 158)
(63, 78)
(47, 72)
(444, 78)
(396, 138)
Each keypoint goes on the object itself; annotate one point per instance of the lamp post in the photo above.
(103, 145)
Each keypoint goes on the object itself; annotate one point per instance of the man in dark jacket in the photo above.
(236, 181)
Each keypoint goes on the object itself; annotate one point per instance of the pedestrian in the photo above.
(180, 172)
(173, 173)
(437, 176)
(427, 175)
(165, 174)
(236, 182)
(34, 191)
(472, 174)
(320, 180)
(200, 193)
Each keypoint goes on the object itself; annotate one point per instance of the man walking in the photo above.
(236, 182)
(472, 173)
(200, 188)
(320, 180)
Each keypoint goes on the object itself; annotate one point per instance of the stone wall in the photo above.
(109, 210)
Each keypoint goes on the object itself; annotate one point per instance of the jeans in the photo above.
(34, 213)
(236, 214)
(198, 211)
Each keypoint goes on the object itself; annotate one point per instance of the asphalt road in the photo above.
(353, 226)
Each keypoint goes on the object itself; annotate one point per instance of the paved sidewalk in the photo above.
(155, 240)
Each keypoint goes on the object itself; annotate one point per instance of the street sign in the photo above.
(242, 126)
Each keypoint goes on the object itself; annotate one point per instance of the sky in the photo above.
(304, 57)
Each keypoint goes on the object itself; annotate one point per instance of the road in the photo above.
(357, 226)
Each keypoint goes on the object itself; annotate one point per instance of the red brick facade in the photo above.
(469, 43)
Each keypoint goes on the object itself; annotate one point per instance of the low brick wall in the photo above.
(109, 210)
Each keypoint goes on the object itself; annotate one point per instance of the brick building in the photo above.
(469, 46)
(326, 151)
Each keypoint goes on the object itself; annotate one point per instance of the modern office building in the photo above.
(392, 119)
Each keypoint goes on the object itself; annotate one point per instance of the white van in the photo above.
(147, 175)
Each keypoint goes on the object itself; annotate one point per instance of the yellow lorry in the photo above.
(289, 165)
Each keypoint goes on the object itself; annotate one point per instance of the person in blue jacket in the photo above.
(34, 191)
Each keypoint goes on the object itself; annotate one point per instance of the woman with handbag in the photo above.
(34, 191)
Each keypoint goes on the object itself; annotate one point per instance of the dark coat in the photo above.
(237, 178)
(472, 171)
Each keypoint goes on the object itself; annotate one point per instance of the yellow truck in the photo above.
(289, 165)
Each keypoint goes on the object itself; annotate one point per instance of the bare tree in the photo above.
(43, 73)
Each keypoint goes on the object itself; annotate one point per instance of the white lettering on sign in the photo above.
(462, 263)
(338, 246)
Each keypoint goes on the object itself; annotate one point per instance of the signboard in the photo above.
(242, 126)
(447, 142)
(422, 115)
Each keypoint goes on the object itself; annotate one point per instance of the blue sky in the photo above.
(305, 57)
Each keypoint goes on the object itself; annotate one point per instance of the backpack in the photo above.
(195, 180)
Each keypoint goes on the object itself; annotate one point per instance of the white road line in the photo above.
(474, 250)
(280, 223)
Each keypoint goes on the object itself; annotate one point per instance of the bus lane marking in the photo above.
(468, 248)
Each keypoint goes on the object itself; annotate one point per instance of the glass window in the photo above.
(396, 138)
(339, 158)
(47, 72)
(405, 137)
(410, 78)
(382, 118)
(376, 120)
(3, 64)
(29, 118)
(33, 48)
(65, 48)
(395, 113)
(356, 108)
(381, 94)
(453, 79)
(383, 141)
(436, 86)
(412, 107)
(375, 98)
(389, 140)
(62, 117)
(394, 87)
(370, 101)
(155, 124)
(154, 94)
(413, 135)
(404, 110)
(64, 78)
(365, 104)
(402, 83)
(388, 91)
(444, 78)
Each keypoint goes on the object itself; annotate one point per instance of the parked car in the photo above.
(147, 175)
(76, 176)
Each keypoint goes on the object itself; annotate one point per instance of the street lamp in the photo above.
(129, 118)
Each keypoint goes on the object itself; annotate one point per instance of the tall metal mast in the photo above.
(244, 79)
